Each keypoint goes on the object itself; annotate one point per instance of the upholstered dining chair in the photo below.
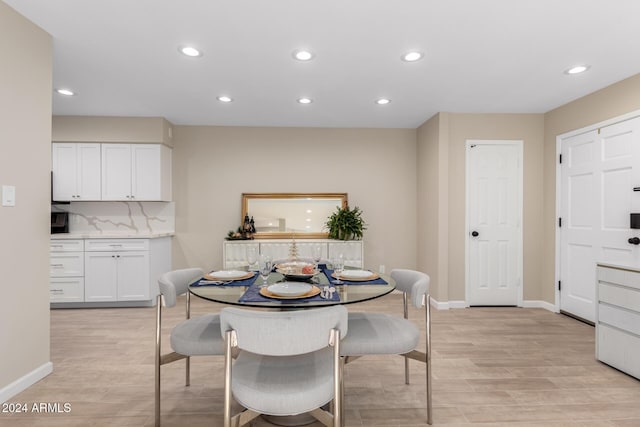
(379, 333)
(288, 363)
(196, 336)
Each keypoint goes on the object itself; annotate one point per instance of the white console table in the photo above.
(618, 317)
(234, 251)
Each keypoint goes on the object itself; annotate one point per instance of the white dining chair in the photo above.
(379, 333)
(288, 363)
(196, 336)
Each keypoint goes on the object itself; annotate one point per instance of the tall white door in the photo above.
(494, 212)
(596, 198)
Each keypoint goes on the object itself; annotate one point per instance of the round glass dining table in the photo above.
(348, 293)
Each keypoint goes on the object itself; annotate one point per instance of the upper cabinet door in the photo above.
(147, 172)
(76, 171)
(89, 167)
(116, 172)
(64, 166)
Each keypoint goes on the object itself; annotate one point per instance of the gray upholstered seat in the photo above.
(192, 337)
(285, 365)
(377, 333)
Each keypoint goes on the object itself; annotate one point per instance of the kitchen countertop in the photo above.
(69, 236)
(622, 265)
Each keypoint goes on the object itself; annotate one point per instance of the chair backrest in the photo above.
(414, 283)
(176, 282)
(284, 333)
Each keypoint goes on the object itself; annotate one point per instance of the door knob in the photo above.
(476, 234)
(634, 241)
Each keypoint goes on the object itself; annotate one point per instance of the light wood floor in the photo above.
(491, 367)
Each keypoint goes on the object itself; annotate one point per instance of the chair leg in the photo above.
(187, 381)
(157, 362)
(405, 307)
(428, 359)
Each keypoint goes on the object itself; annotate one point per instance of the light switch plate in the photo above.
(8, 195)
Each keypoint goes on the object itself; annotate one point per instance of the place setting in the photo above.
(226, 278)
(339, 275)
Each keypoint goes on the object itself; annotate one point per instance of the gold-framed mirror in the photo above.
(288, 215)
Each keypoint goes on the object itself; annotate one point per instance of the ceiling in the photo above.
(481, 56)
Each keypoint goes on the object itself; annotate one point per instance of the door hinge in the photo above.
(560, 158)
(560, 222)
(559, 285)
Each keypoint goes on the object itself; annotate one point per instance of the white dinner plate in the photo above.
(228, 274)
(289, 289)
(355, 274)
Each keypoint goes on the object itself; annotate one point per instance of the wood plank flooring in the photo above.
(491, 367)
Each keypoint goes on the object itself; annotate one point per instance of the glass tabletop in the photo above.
(348, 293)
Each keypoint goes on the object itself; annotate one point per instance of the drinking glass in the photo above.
(252, 257)
(317, 255)
(338, 268)
(265, 266)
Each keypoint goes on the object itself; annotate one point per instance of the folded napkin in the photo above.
(253, 295)
(379, 281)
(205, 282)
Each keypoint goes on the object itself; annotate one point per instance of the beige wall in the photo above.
(213, 166)
(443, 138)
(610, 102)
(432, 194)
(25, 158)
(112, 129)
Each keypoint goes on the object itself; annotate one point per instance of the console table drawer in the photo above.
(619, 295)
(619, 349)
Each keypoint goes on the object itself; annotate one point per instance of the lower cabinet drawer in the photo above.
(67, 289)
(619, 349)
(66, 264)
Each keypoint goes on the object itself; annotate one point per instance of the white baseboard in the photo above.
(25, 382)
(539, 304)
(446, 305)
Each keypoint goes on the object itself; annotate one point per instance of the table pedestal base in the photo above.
(290, 420)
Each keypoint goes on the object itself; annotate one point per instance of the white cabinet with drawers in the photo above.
(618, 317)
(108, 272)
(66, 271)
(234, 251)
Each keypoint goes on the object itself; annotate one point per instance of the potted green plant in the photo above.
(346, 224)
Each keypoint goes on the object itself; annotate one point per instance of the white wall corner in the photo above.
(25, 382)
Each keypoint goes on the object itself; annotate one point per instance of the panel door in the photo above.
(597, 180)
(494, 222)
(101, 276)
(116, 172)
(133, 276)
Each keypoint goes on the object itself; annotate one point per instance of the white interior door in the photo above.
(494, 222)
(597, 181)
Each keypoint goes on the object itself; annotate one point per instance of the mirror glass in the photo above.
(285, 215)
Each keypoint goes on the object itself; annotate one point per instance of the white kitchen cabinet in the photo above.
(136, 172)
(234, 251)
(66, 271)
(117, 276)
(76, 171)
(119, 270)
(618, 317)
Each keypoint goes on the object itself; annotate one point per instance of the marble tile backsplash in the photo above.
(128, 218)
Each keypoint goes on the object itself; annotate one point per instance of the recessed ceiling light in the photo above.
(305, 100)
(65, 92)
(224, 98)
(412, 56)
(190, 51)
(383, 101)
(577, 69)
(303, 55)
